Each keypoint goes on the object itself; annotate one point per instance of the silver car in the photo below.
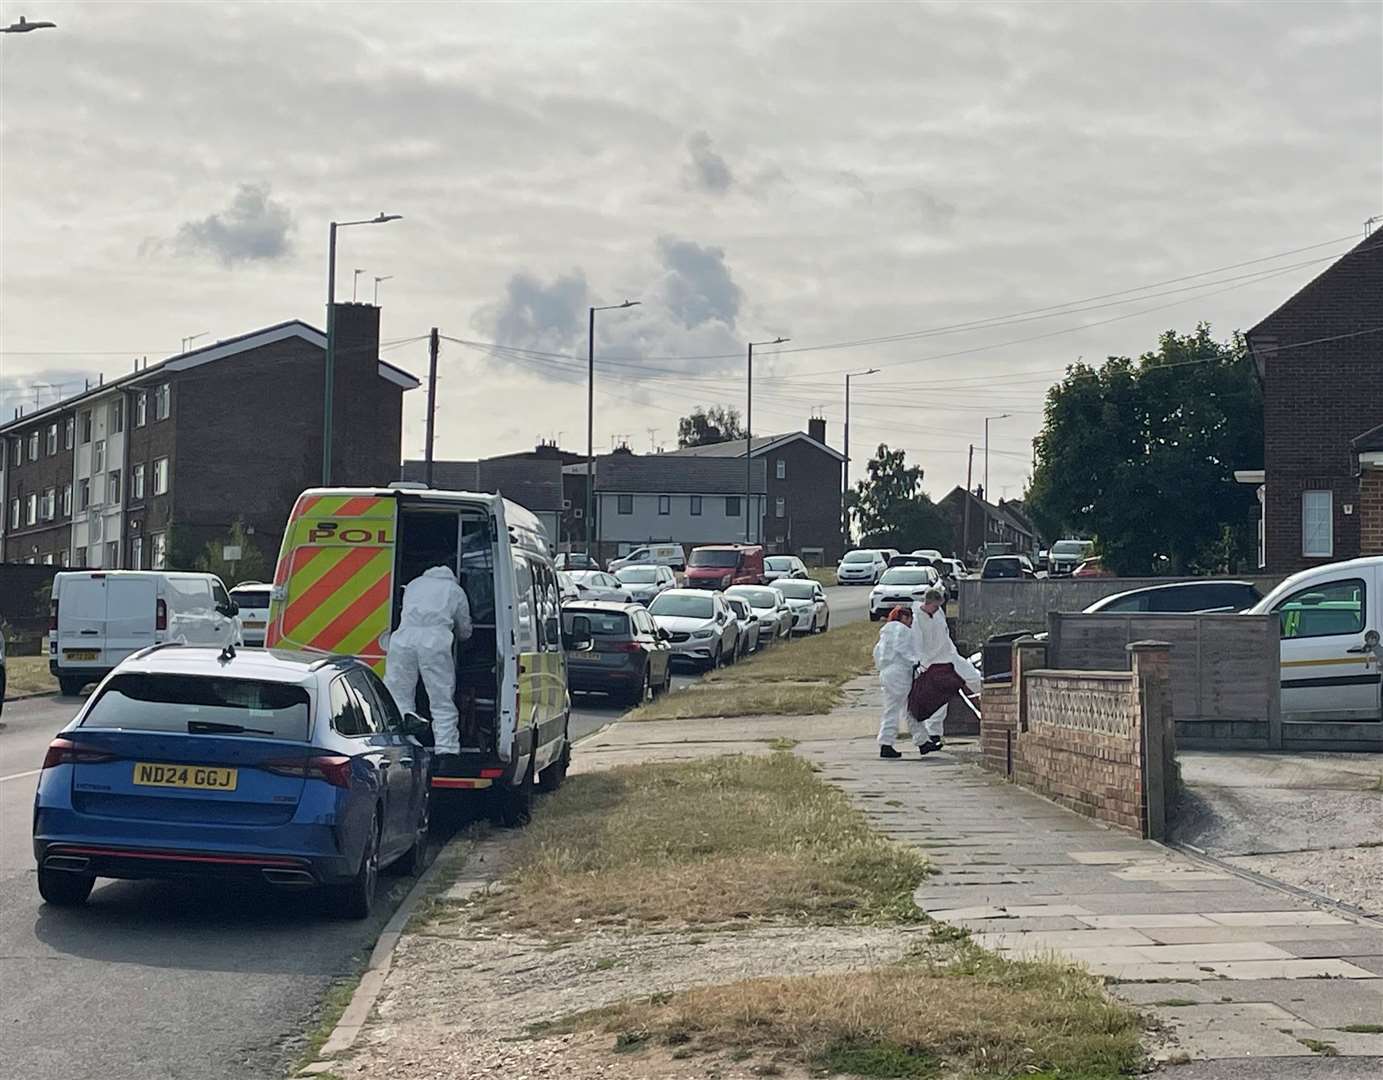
(811, 614)
(775, 617)
(784, 566)
(749, 625)
(702, 629)
(646, 582)
(598, 585)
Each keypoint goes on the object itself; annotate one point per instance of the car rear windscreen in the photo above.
(705, 557)
(251, 598)
(603, 623)
(687, 607)
(859, 556)
(638, 575)
(796, 590)
(202, 705)
(759, 598)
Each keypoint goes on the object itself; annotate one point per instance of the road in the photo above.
(157, 981)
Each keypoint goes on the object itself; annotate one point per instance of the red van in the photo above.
(719, 566)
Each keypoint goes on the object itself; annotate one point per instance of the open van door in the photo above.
(1329, 671)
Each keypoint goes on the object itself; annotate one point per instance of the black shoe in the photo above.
(928, 747)
(888, 752)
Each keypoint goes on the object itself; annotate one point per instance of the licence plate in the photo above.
(80, 654)
(254, 624)
(200, 777)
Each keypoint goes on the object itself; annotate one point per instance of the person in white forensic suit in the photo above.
(932, 640)
(895, 657)
(435, 614)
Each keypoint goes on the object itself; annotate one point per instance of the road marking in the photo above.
(20, 775)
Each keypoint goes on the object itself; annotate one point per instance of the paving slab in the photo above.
(1324, 1003)
(1250, 1029)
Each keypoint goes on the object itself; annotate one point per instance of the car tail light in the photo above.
(335, 769)
(66, 752)
(491, 774)
(53, 615)
(161, 615)
(623, 646)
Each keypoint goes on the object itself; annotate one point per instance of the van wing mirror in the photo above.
(577, 636)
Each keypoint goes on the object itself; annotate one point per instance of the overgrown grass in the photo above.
(826, 575)
(972, 1013)
(801, 677)
(703, 843)
(28, 675)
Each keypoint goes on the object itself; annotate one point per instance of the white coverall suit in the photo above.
(932, 641)
(895, 656)
(434, 608)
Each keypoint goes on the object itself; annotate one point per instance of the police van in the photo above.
(338, 588)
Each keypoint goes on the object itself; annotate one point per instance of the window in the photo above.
(86, 426)
(62, 558)
(52, 439)
(137, 553)
(117, 416)
(14, 513)
(158, 545)
(67, 500)
(33, 446)
(1324, 610)
(732, 506)
(69, 432)
(50, 504)
(780, 469)
(161, 476)
(112, 554)
(625, 504)
(369, 706)
(141, 408)
(664, 505)
(113, 487)
(780, 507)
(696, 505)
(1317, 524)
(526, 638)
(31, 510)
(16, 452)
(137, 482)
(83, 494)
(98, 457)
(162, 398)
(47, 560)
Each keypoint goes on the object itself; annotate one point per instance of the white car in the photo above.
(929, 553)
(775, 617)
(252, 598)
(568, 591)
(701, 628)
(903, 585)
(646, 582)
(811, 613)
(598, 585)
(863, 567)
(784, 566)
(750, 626)
(673, 556)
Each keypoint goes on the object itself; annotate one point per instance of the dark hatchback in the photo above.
(627, 657)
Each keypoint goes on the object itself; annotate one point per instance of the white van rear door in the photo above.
(1327, 674)
(131, 606)
(507, 690)
(81, 619)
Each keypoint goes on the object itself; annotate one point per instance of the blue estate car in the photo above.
(281, 767)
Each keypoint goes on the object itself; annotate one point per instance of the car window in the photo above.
(1125, 604)
(375, 719)
(347, 717)
(251, 598)
(393, 719)
(1323, 610)
(201, 705)
(691, 607)
(604, 624)
(798, 590)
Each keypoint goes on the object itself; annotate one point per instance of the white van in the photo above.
(99, 617)
(672, 555)
(252, 598)
(1329, 620)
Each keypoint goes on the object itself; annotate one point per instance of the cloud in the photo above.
(706, 170)
(252, 228)
(545, 317)
(39, 389)
(697, 286)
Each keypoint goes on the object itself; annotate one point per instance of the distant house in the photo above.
(1320, 362)
(802, 513)
(1006, 523)
(642, 498)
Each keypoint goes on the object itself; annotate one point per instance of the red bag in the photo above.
(932, 689)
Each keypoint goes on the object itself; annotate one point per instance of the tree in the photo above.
(713, 425)
(250, 566)
(891, 509)
(1140, 455)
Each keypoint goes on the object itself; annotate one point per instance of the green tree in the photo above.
(713, 425)
(251, 566)
(1140, 455)
(891, 509)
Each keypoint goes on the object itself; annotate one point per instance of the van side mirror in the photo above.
(414, 726)
(578, 634)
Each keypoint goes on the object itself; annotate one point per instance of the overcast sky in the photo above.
(826, 172)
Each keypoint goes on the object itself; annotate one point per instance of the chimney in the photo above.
(816, 428)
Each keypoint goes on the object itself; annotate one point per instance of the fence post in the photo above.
(1151, 662)
(1029, 654)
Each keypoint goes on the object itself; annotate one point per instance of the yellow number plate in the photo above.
(80, 654)
(254, 624)
(201, 777)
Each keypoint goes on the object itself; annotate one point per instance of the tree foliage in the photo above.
(251, 566)
(890, 508)
(1140, 454)
(713, 425)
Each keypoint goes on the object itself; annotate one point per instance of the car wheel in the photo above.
(826, 625)
(667, 679)
(513, 806)
(715, 660)
(643, 694)
(874, 616)
(70, 685)
(62, 888)
(356, 899)
(414, 861)
(550, 779)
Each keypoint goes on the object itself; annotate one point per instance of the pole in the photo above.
(845, 491)
(432, 344)
(969, 494)
(590, 428)
(749, 446)
(329, 381)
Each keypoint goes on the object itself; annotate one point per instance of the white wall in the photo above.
(88, 540)
(680, 525)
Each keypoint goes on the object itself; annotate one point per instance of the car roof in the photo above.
(269, 665)
(1169, 587)
(689, 592)
(600, 605)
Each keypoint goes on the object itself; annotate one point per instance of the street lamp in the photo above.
(23, 26)
(355, 280)
(749, 444)
(193, 337)
(845, 491)
(386, 277)
(590, 412)
(329, 379)
(1001, 416)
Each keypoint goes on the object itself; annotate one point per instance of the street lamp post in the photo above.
(1001, 416)
(845, 491)
(749, 445)
(590, 412)
(329, 373)
(386, 277)
(355, 281)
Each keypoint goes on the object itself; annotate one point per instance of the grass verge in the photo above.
(705, 842)
(796, 678)
(28, 675)
(826, 575)
(972, 1013)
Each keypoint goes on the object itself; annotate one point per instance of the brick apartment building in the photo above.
(175, 452)
(1004, 523)
(1320, 362)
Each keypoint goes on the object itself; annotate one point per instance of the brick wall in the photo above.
(47, 536)
(810, 490)
(1370, 512)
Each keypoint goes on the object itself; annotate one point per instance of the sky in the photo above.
(951, 176)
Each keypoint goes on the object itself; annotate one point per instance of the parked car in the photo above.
(576, 560)
(811, 613)
(912, 560)
(598, 585)
(749, 625)
(775, 617)
(723, 565)
(904, 585)
(999, 567)
(99, 617)
(784, 566)
(293, 769)
(252, 600)
(627, 658)
(568, 591)
(643, 583)
(1065, 555)
(1182, 597)
(862, 567)
(673, 556)
(930, 553)
(1092, 568)
(952, 575)
(701, 628)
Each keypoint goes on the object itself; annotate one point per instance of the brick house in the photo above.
(802, 514)
(1320, 362)
(1006, 523)
(183, 447)
(1368, 449)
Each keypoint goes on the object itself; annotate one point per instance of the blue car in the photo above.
(278, 767)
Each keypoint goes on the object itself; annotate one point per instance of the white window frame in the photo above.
(87, 426)
(136, 553)
(1318, 524)
(16, 512)
(83, 494)
(158, 554)
(780, 469)
(17, 451)
(52, 439)
(98, 457)
(33, 445)
(163, 401)
(141, 408)
(161, 482)
(50, 504)
(780, 507)
(67, 500)
(31, 509)
(117, 416)
(623, 501)
(110, 558)
(694, 506)
(113, 487)
(69, 432)
(664, 505)
(137, 482)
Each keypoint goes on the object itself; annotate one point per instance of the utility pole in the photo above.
(969, 494)
(1001, 416)
(590, 414)
(749, 445)
(432, 346)
(845, 491)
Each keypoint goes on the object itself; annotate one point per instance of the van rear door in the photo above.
(81, 619)
(131, 610)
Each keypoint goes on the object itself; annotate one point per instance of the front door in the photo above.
(1328, 674)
